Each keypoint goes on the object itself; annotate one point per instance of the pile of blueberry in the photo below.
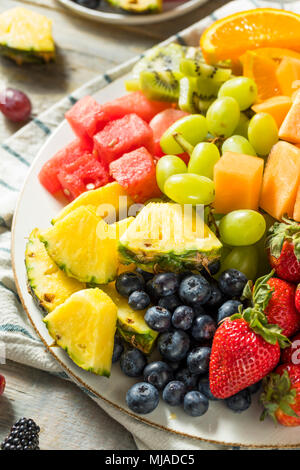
(185, 309)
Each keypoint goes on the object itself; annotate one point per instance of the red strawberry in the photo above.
(292, 353)
(283, 245)
(245, 349)
(276, 298)
(297, 298)
(281, 395)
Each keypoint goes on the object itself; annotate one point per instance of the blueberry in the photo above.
(184, 275)
(198, 360)
(142, 398)
(195, 403)
(147, 276)
(128, 282)
(165, 284)
(232, 282)
(204, 328)
(214, 267)
(170, 302)
(190, 380)
(254, 388)
(139, 300)
(239, 402)
(132, 363)
(227, 309)
(151, 291)
(216, 297)
(173, 345)
(118, 349)
(173, 393)
(88, 3)
(194, 289)
(158, 318)
(158, 374)
(183, 317)
(204, 387)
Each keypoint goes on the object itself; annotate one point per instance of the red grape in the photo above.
(15, 105)
(2, 384)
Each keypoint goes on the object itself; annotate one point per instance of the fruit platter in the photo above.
(139, 12)
(160, 227)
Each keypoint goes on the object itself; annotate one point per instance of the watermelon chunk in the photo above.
(135, 172)
(121, 136)
(86, 118)
(135, 102)
(48, 175)
(84, 174)
(160, 123)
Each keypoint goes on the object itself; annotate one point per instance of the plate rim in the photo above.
(79, 380)
(131, 20)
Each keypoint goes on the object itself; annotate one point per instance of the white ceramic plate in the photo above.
(107, 14)
(35, 208)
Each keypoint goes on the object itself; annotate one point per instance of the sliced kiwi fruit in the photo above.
(194, 68)
(194, 95)
(160, 59)
(162, 86)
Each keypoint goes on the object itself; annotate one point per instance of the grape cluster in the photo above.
(24, 435)
(185, 309)
(226, 124)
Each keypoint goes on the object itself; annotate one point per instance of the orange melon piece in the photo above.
(281, 180)
(238, 180)
(288, 75)
(296, 214)
(278, 107)
(290, 128)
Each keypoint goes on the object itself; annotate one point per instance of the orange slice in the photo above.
(263, 71)
(230, 37)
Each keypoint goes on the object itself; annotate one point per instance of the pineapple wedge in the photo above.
(84, 326)
(49, 285)
(163, 237)
(26, 36)
(131, 324)
(111, 194)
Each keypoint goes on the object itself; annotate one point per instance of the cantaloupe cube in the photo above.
(281, 180)
(238, 180)
(290, 128)
(296, 214)
(278, 107)
(288, 75)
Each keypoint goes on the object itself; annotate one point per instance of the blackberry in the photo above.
(24, 435)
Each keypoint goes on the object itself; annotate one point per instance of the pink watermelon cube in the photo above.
(121, 136)
(61, 160)
(135, 171)
(135, 102)
(84, 174)
(86, 118)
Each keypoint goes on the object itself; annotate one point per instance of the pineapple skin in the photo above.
(174, 247)
(48, 285)
(84, 326)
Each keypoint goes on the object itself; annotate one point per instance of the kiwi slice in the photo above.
(160, 59)
(194, 97)
(163, 86)
(194, 68)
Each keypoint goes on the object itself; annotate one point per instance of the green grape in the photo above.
(223, 116)
(168, 165)
(242, 227)
(193, 128)
(242, 127)
(238, 144)
(242, 89)
(262, 133)
(264, 264)
(203, 159)
(244, 259)
(189, 188)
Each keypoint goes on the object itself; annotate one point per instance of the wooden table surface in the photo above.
(67, 417)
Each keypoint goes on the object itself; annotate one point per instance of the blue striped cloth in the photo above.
(18, 340)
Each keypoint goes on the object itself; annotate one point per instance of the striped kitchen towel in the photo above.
(18, 340)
